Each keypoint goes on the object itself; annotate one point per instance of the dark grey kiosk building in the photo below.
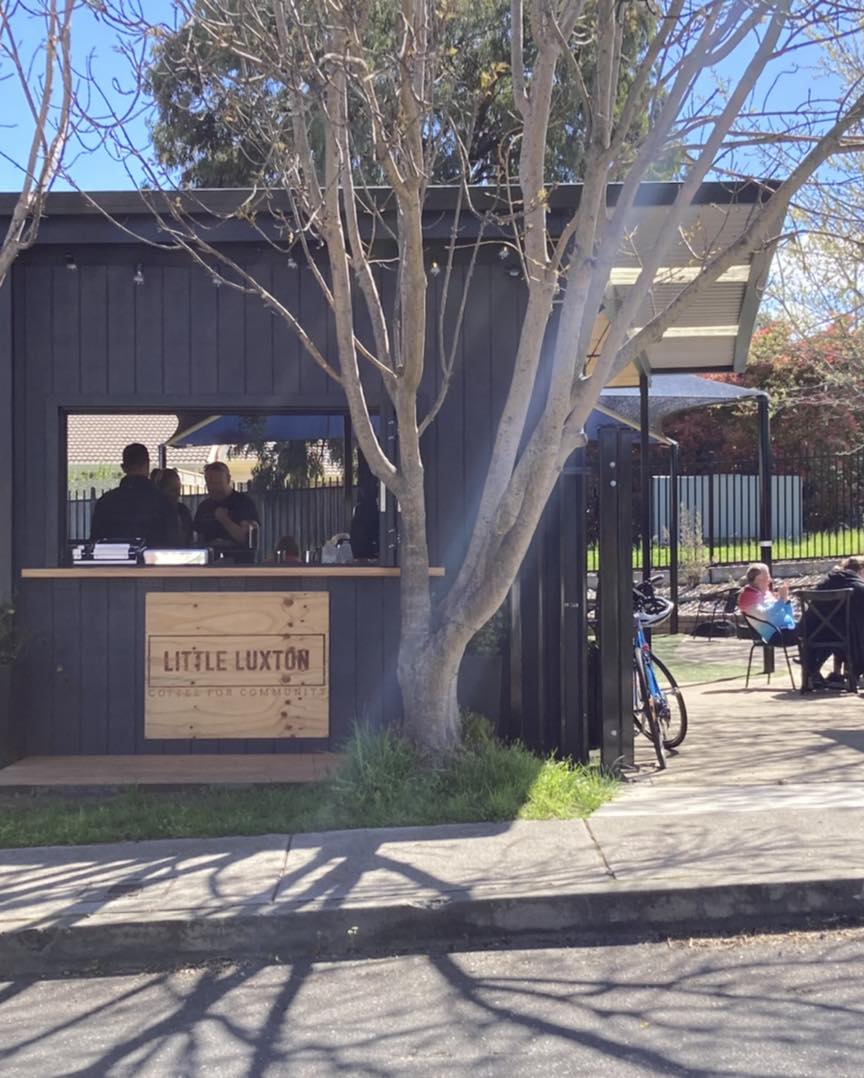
(94, 323)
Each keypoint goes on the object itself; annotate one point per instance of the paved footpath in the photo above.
(758, 822)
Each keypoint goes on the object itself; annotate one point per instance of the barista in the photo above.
(226, 518)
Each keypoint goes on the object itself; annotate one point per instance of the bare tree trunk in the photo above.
(385, 110)
(428, 672)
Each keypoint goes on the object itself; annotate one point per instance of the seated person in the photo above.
(776, 619)
(135, 509)
(849, 574)
(224, 521)
(287, 552)
(168, 481)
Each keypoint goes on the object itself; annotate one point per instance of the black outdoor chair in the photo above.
(721, 614)
(826, 629)
(775, 643)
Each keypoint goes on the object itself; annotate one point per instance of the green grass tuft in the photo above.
(381, 783)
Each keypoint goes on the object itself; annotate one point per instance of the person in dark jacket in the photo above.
(366, 519)
(849, 574)
(168, 481)
(226, 519)
(135, 509)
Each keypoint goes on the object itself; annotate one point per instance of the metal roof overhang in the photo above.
(713, 334)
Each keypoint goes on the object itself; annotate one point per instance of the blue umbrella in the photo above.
(238, 429)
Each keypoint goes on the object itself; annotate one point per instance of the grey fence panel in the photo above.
(79, 513)
(310, 514)
(727, 507)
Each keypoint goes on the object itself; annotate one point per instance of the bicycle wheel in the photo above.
(673, 711)
(647, 719)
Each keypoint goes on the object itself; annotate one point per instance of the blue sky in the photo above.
(786, 85)
(91, 38)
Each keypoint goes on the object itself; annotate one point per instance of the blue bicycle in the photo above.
(658, 706)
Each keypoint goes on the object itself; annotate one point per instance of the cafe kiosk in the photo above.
(203, 659)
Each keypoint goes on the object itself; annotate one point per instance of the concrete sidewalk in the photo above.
(772, 855)
(767, 830)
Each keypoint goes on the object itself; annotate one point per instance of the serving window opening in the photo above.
(302, 473)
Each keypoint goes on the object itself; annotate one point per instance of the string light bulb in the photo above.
(434, 269)
(138, 276)
(71, 264)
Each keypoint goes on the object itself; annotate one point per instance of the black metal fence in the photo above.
(817, 510)
(310, 514)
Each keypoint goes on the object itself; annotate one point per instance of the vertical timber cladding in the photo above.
(237, 665)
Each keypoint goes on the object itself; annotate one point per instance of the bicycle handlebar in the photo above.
(651, 609)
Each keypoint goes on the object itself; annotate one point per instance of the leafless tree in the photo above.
(366, 99)
(40, 77)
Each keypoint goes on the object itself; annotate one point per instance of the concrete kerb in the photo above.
(619, 914)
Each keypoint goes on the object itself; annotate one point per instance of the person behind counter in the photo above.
(168, 481)
(135, 509)
(225, 520)
(366, 519)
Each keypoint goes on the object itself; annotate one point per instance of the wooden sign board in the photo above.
(237, 664)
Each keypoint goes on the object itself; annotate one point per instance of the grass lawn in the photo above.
(695, 661)
(380, 784)
(837, 544)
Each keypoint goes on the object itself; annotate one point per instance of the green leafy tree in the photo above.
(295, 462)
(815, 386)
(200, 96)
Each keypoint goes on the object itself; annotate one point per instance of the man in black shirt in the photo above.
(135, 509)
(225, 519)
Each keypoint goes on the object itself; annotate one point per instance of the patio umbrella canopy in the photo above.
(605, 416)
(669, 394)
(238, 429)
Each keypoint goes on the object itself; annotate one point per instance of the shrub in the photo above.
(477, 730)
(491, 638)
(693, 559)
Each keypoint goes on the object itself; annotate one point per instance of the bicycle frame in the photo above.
(663, 722)
(641, 645)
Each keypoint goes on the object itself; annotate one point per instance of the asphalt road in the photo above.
(780, 1005)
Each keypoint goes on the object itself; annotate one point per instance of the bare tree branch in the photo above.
(51, 119)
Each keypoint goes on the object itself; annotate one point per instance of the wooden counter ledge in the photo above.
(190, 572)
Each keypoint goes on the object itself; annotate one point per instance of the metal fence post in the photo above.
(711, 479)
(615, 595)
(765, 504)
(673, 532)
(764, 482)
(574, 610)
(645, 474)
